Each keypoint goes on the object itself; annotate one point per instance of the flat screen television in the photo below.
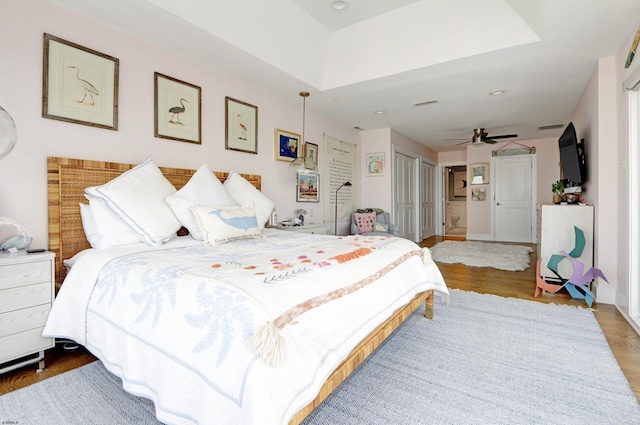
(572, 161)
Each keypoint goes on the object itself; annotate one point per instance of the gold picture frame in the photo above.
(177, 109)
(79, 85)
(479, 173)
(241, 128)
(286, 145)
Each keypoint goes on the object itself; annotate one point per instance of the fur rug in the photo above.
(483, 254)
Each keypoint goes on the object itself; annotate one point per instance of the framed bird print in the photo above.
(79, 85)
(241, 131)
(177, 109)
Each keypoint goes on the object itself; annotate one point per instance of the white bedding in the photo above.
(171, 322)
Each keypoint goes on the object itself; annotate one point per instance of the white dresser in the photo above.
(317, 229)
(26, 296)
(556, 233)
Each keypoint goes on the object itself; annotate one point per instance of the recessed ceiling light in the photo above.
(496, 92)
(339, 5)
(380, 112)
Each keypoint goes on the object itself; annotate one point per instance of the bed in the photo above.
(283, 352)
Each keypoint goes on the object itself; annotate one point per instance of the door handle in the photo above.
(497, 203)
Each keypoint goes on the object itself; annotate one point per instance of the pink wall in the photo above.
(479, 225)
(376, 190)
(595, 119)
(453, 157)
(23, 171)
(403, 142)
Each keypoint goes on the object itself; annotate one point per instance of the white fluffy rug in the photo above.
(483, 254)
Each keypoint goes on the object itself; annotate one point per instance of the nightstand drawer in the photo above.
(23, 343)
(23, 320)
(25, 296)
(24, 274)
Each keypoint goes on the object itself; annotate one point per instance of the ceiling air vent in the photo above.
(550, 127)
(426, 102)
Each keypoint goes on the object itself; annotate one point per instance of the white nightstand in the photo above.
(26, 296)
(317, 229)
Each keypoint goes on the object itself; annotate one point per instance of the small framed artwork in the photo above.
(286, 145)
(241, 130)
(480, 173)
(478, 194)
(308, 187)
(311, 151)
(79, 85)
(459, 183)
(375, 164)
(177, 109)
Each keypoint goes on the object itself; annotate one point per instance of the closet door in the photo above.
(427, 200)
(405, 196)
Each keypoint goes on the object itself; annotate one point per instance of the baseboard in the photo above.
(629, 320)
(603, 294)
(479, 237)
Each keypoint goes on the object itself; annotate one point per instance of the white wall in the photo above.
(622, 188)
(23, 193)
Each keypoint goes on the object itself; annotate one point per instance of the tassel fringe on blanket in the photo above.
(270, 346)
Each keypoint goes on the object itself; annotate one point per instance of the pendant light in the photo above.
(8, 132)
(302, 162)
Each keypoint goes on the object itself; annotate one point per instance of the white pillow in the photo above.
(245, 193)
(379, 227)
(221, 225)
(103, 228)
(138, 198)
(203, 188)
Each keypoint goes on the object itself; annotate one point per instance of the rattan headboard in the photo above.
(66, 180)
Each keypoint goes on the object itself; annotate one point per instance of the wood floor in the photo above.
(623, 340)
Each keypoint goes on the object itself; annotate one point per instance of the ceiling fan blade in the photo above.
(490, 141)
(463, 143)
(504, 136)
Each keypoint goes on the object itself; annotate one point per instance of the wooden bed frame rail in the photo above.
(364, 348)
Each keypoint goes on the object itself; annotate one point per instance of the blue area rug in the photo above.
(482, 360)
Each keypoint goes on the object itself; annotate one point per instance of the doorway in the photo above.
(513, 207)
(455, 200)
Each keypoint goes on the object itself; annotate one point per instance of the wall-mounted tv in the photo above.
(572, 160)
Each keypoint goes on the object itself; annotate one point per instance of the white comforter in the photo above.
(175, 326)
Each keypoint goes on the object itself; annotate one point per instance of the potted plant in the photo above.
(558, 189)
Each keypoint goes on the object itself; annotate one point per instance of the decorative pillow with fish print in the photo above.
(222, 225)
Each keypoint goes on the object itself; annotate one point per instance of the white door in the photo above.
(427, 200)
(513, 198)
(404, 194)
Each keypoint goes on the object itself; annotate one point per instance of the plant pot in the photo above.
(556, 198)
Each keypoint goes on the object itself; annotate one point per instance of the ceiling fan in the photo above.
(480, 137)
